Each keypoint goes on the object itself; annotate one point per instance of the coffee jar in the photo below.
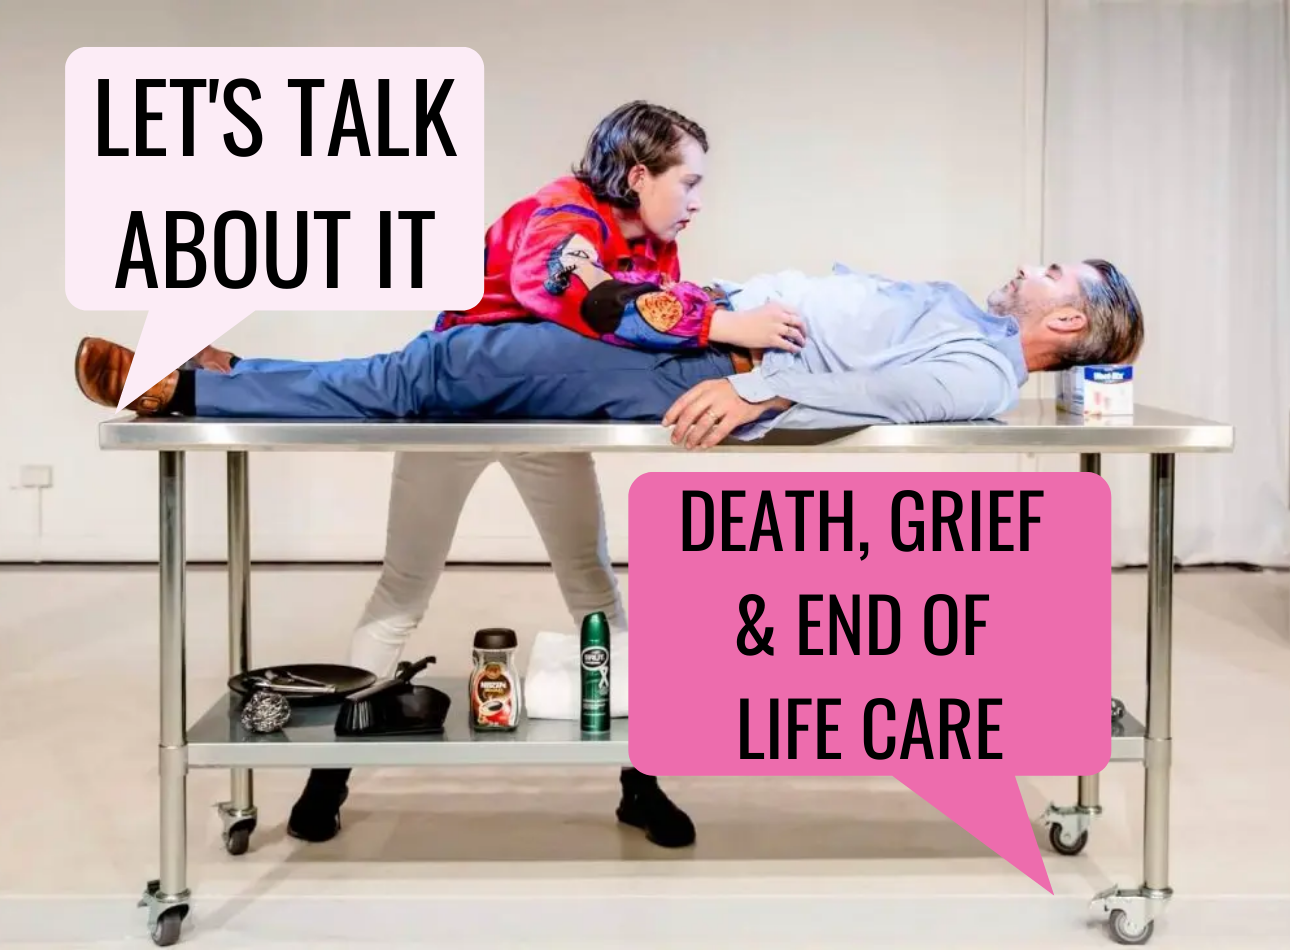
(495, 691)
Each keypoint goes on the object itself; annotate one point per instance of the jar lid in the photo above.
(495, 638)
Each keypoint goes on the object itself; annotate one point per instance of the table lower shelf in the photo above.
(218, 740)
(1128, 740)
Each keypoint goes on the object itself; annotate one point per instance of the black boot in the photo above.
(646, 806)
(316, 814)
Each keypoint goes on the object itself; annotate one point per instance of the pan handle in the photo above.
(408, 670)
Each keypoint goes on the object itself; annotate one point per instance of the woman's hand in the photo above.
(772, 326)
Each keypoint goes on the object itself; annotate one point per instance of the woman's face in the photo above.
(669, 200)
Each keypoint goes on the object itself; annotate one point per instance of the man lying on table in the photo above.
(875, 350)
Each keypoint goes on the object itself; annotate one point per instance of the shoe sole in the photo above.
(78, 370)
(339, 807)
(82, 382)
(292, 833)
(644, 827)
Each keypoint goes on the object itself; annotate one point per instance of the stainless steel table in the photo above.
(217, 739)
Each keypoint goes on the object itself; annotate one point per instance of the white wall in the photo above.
(903, 136)
(1169, 153)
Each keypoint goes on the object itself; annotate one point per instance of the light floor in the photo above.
(532, 858)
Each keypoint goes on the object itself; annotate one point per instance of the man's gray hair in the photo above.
(1115, 331)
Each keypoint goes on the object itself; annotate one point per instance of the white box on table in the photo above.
(1104, 390)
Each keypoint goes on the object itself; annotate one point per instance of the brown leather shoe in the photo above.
(215, 360)
(101, 369)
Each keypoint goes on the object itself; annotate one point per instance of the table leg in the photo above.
(1089, 794)
(167, 898)
(239, 812)
(1133, 912)
(1068, 826)
(1160, 580)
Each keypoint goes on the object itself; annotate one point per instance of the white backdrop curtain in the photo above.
(1166, 152)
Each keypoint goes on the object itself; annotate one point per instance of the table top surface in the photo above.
(1035, 426)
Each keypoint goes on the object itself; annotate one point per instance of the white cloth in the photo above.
(552, 682)
(427, 494)
(1169, 153)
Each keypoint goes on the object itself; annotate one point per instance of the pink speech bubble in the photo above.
(236, 144)
(1037, 622)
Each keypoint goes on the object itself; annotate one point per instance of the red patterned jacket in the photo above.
(559, 255)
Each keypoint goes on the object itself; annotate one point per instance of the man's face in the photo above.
(1036, 292)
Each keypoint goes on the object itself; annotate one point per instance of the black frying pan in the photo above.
(306, 684)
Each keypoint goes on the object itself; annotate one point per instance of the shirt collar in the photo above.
(1004, 333)
(643, 248)
(644, 251)
(1010, 346)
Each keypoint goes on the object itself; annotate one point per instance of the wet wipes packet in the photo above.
(1103, 390)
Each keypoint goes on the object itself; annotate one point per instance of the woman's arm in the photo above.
(560, 275)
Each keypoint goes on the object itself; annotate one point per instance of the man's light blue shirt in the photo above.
(880, 351)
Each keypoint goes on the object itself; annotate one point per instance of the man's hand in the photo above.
(710, 411)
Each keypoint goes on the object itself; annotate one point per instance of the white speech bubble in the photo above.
(391, 139)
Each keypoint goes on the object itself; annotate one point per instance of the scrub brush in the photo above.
(363, 712)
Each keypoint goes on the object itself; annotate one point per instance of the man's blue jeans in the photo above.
(513, 370)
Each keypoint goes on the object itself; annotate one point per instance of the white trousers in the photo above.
(427, 495)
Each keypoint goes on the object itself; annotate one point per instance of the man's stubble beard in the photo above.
(998, 303)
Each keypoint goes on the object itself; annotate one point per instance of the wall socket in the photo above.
(36, 476)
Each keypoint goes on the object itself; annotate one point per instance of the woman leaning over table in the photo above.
(596, 252)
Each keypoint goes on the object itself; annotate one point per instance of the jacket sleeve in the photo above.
(559, 274)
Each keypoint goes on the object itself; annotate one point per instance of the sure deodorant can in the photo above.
(594, 659)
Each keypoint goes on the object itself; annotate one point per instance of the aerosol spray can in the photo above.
(594, 657)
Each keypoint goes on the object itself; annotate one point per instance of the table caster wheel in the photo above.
(165, 932)
(237, 840)
(1124, 932)
(239, 825)
(1061, 845)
